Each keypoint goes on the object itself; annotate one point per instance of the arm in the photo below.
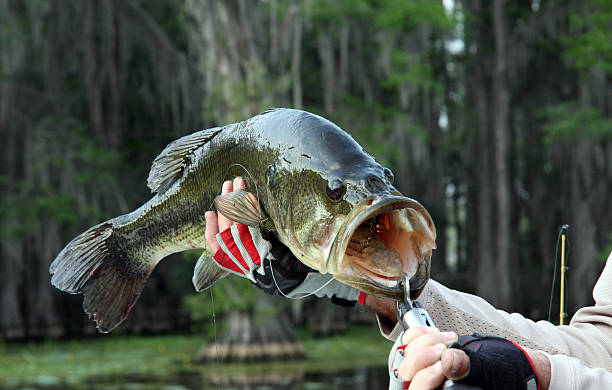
(568, 373)
(588, 337)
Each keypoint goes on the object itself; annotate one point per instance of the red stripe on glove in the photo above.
(528, 359)
(229, 242)
(247, 241)
(362, 298)
(225, 261)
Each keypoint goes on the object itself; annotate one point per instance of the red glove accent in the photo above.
(240, 250)
(362, 298)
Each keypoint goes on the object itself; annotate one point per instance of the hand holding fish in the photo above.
(241, 250)
(218, 223)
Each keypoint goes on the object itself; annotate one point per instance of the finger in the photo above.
(413, 333)
(225, 222)
(212, 228)
(420, 359)
(253, 199)
(429, 339)
(228, 186)
(429, 378)
(455, 363)
(239, 184)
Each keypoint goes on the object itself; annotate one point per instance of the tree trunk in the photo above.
(91, 69)
(486, 286)
(110, 50)
(296, 57)
(500, 135)
(583, 256)
(325, 318)
(11, 319)
(328, 76)
(255, 336)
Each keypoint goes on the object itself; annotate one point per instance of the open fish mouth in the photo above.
(383, 238)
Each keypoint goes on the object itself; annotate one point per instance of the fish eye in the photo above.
(389, 175)
(335, 190)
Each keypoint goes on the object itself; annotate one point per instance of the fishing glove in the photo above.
(497, 363)
(274, 269)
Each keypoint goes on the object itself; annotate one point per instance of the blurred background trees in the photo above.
(496, 115)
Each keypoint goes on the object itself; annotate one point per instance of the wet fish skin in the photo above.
(288, 159)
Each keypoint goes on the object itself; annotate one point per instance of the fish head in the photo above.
(337, 210)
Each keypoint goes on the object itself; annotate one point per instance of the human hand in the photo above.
(487, 362)
(218, 223)
(241, 250)
(427, 360)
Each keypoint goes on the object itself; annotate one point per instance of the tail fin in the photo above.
(96, 266)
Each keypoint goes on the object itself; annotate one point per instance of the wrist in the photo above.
(542, 367)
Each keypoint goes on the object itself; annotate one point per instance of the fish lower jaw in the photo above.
(377, 279)
(373, 285)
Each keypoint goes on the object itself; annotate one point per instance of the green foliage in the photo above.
(566, 121)
(30, 202)
(171, 18)
(401, 14)
(588, 42)
(607, 251)
(335, 10)
(409, 69)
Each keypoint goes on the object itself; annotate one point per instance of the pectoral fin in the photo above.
(206, 272)
(240, 206)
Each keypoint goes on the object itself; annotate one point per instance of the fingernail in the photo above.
(456, 363)
(438, 348)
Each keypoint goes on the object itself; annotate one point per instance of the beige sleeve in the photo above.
(567, 373)
(587, 338)
(463, 313)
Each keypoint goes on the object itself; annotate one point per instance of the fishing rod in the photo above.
(561, 243)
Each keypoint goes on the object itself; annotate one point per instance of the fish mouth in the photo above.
(383, 238)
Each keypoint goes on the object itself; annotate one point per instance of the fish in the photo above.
(308, 183)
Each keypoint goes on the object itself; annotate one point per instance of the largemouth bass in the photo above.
(318, 191)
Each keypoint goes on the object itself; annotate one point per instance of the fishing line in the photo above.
(248, 173)
(254, 184)
(214, 316)
(300, 297)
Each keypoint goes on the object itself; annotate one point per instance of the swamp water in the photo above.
(353, 360)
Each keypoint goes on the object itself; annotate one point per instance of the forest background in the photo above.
(496, 115)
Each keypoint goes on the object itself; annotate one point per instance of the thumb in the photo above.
(455, 364)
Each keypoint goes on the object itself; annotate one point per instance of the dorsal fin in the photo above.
(169, 166)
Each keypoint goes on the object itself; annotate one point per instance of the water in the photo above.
(354, 359)
(358, 378)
